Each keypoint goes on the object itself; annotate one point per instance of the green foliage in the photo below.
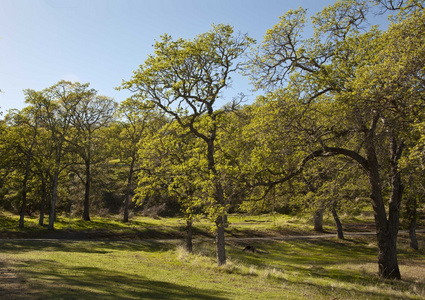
(347, 91)
(173, 166)
(184, 79)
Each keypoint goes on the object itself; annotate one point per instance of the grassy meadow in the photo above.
(145, 260)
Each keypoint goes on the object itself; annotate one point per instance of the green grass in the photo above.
(98, 228)
(10, 221)
(255, 225)
(161, 269)
(314, 269)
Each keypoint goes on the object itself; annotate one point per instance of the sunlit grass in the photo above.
(162, 269)
(301, 223)
(328, 269)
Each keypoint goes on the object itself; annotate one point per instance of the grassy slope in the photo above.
(293, 269)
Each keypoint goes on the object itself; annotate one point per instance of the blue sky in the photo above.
(103, 41)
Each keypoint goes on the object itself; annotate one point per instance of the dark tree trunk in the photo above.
(387, 257)
(219, 199)
(52, 215)
(318, 220)
(41, 218)
(189, 232)
(412, 234)
(42, 202)
(86, 213)
(24, 193)
(412, 217)
(23, 206)
(386, 229)
(128, 191)
(226, 222)
(220, 242)
(24, 185)
(24, 202)
(340, 232)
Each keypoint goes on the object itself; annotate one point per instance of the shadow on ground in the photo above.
(62, 282)
(14, 246)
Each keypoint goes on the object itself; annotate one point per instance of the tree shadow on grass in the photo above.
(317, 252)
(62, 282)
(320, 261)
(14, 246)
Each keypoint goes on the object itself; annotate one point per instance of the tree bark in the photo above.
(412, 234)
(128, 191)
(41, 218)
(220, 242)
(52, 215)
(412, 217)
(24, 200)
(189, 233)
(387, 257)
(23, 206)
(219, 199)
(318, 220)
(386, 229)
(26, 177)
(24, 191)
(86, 213)
(340, 232)
(42, 201)
(226, 222)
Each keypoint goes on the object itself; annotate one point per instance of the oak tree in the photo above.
(185, 79)
(372, 83)
(91, 114)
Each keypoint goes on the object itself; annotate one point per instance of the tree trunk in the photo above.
(24, 204)
(386, 234)
(220, 243)
(226, 222)
(86, 213)
(412, 217)
(24, 185)
(42, 202)
(412, 234)
(386, 229)
(128, 192)
(219, 199)
(52, 215)
(387, 257)
(24, 189)
(318, 220)
(189, 231)
(340, 232)
(41, 218)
